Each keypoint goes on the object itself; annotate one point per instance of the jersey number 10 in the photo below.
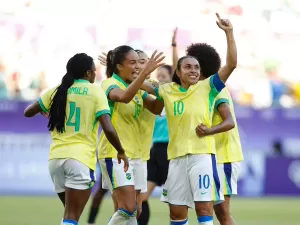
(178, 108)
(204, 181)
(74, 112)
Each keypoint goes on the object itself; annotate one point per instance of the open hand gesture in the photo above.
(154, 62)
(102, 59)
(224, 24)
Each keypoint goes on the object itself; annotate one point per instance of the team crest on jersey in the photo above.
(91, 184)
(165, 192)
(136, 99)
(128, 176)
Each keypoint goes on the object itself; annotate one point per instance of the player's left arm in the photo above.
(149, 87)
(155, 106)
(231, 58)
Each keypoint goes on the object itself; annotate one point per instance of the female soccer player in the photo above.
(193, 177)
(228, 145)
(74, 108)
(157, 164)
(126, 102)
(147, 120)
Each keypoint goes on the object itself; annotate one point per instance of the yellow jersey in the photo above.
(125, 118)
(185, 110)
(85, 103)
(147, 120)
(228, 144)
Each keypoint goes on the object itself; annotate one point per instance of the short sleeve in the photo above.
(144, 94)
(221, 98)
(216, 83)
(46, 99)
(102, 106)
(107, 86)
(160, 91)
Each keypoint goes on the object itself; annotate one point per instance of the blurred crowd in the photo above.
(39, 36)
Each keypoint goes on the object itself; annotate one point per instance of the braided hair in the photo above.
(77, 67)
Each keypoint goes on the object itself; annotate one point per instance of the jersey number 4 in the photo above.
(74, 112)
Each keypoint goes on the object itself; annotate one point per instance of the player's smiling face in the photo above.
(129, 68)
(189, 73)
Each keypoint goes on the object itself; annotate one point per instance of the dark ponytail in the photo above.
(77, 68)
(109, 64)
(58, 106)
(115, 57)
(175, 77)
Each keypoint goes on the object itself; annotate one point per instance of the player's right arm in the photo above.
(41, 106)
(102, 112)
(125, 96)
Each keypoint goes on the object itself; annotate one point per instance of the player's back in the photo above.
(228, 144)
(85, 103)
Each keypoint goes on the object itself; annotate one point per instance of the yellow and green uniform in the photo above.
(147, 120)
(228, 144)
(185, 110)
(126, 120)
(85, 103)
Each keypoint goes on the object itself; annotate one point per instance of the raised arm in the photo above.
(154, 105)
(231, 58)
(125, 96)
(174, 50)
(148, 87)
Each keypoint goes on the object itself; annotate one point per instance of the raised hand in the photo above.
(102, 59)
(224, 24)
(174, 38)
(154, 62)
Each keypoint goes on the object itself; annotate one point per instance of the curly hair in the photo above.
(207, 56)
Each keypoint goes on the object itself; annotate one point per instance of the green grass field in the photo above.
(48, 211)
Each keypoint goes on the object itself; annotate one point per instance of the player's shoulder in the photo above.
(168, 86)
(110, 82)
(49, 91)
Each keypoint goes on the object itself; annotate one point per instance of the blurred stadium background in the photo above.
(39, 36)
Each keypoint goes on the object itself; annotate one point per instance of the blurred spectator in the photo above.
(278, 88)
(3, 88)
(35, 48)
(277, 148)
